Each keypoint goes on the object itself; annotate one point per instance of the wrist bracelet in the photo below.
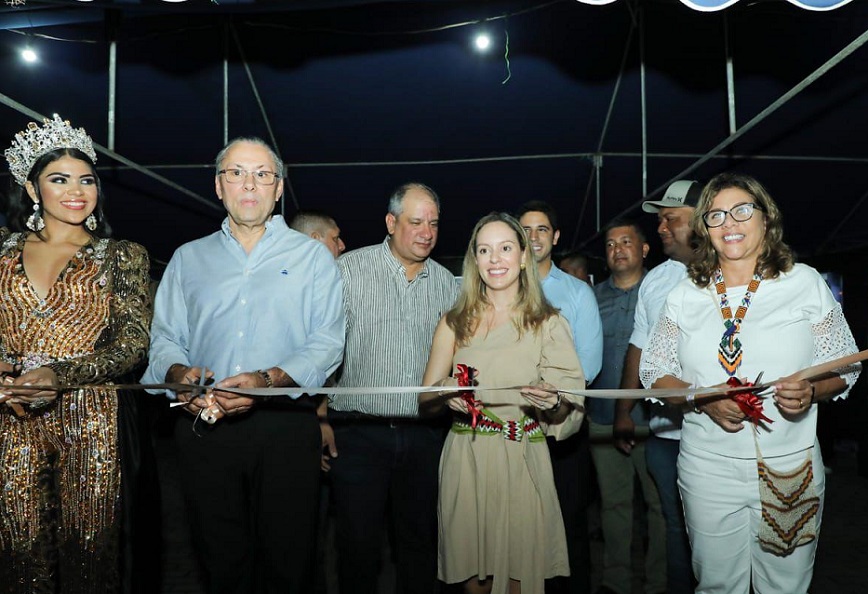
(557, 404)
(691, 400)
(264, 375)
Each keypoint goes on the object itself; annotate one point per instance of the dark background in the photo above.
(363, 96)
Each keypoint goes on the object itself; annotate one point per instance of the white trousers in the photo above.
(722, 512)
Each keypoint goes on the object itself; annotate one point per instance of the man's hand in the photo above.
(183, 374)
(623, 432)
(330, 450)
(235, 404)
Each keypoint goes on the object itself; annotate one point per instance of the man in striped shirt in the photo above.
(394, 295)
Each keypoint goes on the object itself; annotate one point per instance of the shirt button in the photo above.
(246, 272)
(244, 302)
(240, 334)
(238, 368)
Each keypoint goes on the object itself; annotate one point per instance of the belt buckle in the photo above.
(394, 423)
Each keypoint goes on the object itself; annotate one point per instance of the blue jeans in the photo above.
(661, 456)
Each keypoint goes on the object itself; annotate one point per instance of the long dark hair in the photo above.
(21, 206)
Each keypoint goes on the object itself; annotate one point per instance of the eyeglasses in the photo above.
(237, 176)
(739, 213)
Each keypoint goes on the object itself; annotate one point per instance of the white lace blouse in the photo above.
(793, 322)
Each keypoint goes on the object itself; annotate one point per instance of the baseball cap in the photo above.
(680, 193)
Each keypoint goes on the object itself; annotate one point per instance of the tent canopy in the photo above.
(590, 107)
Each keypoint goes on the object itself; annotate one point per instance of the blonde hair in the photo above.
(775, 257)
(531, 308)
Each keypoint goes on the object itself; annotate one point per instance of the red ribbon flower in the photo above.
(464, 375)
(749, 403)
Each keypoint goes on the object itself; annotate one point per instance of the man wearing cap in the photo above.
(571, 457)
(661, 450)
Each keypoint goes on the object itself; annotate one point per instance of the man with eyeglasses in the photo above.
(674, 212)
(253, 305)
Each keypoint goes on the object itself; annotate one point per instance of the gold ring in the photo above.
(800, 403)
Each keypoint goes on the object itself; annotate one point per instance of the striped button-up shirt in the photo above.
(390, 324)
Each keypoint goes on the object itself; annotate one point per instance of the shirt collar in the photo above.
(610, 283)
(271, 226)
(555, 273)
(395, 264)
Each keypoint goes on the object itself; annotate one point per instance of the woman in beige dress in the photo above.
(500, 524)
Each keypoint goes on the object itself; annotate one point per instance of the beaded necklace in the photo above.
(729, 353)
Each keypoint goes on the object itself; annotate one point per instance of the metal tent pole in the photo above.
(782, 100)
(8, 101)
(286, 182)
(594, 179)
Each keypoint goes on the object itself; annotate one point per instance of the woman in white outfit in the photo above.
(752, 492)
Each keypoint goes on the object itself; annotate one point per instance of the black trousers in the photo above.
(571, 464)
(378, 463)
(251, 485)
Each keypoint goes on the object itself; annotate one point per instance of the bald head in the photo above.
(321, 227)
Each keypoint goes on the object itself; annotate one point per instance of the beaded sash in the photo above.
(729, 352)
(488, 424)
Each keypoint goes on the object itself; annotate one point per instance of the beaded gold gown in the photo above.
(60, 472)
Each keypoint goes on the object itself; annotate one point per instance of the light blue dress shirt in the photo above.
(280, 306)
(578, 305)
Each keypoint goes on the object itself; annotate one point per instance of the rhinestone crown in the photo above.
(32, 143)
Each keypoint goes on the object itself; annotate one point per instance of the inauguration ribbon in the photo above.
(821, 371)
(749, 403)
(464, 375)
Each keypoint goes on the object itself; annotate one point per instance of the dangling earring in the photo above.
(34, 221)
(90, 222)
(522, 265)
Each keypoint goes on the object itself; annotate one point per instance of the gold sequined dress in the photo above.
(59, 467)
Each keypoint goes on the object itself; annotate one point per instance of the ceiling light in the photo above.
(482, 42)
(28, 55)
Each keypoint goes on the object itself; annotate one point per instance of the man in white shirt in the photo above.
(661, 450)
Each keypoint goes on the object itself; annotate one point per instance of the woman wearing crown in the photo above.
(75, 312)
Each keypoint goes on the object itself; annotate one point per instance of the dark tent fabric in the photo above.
(361, 96)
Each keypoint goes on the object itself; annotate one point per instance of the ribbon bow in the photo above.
(749, 403)
(464, 375)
